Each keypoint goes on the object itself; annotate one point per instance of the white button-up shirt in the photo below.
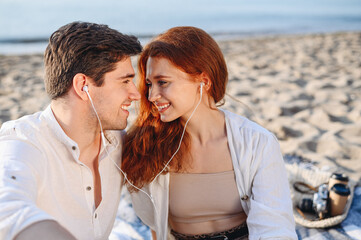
(42, 178)
(261, 181)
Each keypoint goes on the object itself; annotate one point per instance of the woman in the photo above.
(197, 170)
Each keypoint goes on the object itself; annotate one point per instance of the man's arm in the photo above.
(47, 229)
(21, 170)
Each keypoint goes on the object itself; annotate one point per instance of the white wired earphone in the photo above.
(86, 90)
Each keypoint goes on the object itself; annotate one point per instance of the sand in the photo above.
(306, 89)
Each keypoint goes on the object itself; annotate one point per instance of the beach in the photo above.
(306, 89)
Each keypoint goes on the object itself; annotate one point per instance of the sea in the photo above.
(26, 25)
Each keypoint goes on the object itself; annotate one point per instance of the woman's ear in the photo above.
(80, 80)
(206, 80)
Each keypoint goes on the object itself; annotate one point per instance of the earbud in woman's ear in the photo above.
(202, 84)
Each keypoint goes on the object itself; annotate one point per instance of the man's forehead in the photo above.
(124, 67)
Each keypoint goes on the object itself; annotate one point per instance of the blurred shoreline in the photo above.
(27, 45)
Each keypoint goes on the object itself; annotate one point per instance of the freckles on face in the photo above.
(170, 89)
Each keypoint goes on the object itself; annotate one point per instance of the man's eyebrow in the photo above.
(129, 75)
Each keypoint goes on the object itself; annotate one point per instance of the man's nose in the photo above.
(134, 95)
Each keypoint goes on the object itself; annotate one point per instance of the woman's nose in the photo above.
(153, 94)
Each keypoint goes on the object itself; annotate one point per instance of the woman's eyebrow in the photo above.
(160, 76)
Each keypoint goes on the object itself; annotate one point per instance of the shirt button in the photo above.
(73, 147)
(244, 198)
(88, 188)
(95, 215)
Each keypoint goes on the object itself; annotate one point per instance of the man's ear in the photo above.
(79, 81)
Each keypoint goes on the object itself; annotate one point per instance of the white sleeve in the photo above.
(270, 215)
(20, 169)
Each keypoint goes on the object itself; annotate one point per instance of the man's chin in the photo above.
(118, 127)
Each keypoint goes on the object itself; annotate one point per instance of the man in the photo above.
(58, 173)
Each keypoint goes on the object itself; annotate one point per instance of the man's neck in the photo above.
(75, 123)
(75, 120)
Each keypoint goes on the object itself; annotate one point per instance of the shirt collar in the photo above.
(112, 141)
(48, 116)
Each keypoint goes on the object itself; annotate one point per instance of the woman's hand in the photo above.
(154, 235)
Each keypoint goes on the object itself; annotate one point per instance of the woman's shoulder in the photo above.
(245, 125)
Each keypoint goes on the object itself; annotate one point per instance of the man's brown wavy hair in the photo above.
(82, 47)
(150, 143)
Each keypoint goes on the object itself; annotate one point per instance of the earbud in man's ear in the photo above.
(85, 88)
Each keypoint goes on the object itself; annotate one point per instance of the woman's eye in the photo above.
(162, 83)
(148, 84)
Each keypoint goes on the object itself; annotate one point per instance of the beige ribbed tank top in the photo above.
(204, 203)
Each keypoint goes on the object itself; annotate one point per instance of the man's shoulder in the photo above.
(25, 126)
(19, 139)
(117, 135)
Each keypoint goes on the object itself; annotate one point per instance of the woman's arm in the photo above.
(154, 235)
(270, 214)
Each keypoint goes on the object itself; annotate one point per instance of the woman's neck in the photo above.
(206, 124)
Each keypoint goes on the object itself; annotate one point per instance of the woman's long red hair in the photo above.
(150, 143)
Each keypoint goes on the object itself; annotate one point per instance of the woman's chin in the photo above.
(167, 118)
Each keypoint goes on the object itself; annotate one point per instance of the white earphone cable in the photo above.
(184, 129)
(124, 174)
(106, 150)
